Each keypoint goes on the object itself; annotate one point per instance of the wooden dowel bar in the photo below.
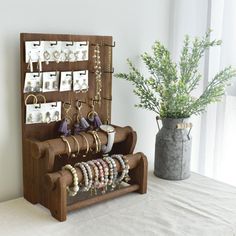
(51, 178)
(101, 198)
(59, 147)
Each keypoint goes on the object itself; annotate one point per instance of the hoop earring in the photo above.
(94, 118)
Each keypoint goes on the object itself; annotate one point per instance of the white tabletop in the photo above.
(196, 206)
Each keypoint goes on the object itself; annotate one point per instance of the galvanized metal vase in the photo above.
(173, 149)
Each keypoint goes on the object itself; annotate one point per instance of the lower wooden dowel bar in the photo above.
(50, 179)
(101, 198)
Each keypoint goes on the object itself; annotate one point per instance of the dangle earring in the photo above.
(30, 63)
(46, 56)
(94, 118)
(39, 67)
(64, 126)
(81, 124)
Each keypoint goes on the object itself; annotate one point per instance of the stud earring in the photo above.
(30, 63)
(46, 56)
(48, 117)
(39, 66)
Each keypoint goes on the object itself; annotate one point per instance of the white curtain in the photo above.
(214, 134)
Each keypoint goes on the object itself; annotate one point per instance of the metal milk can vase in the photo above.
(173, 149)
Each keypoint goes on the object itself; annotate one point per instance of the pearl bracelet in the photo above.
(123, 166)
(72, 191)
(111, 169)
(90, 175)
(85, 175)
(115, 173)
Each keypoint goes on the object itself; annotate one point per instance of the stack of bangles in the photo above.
(99, 174)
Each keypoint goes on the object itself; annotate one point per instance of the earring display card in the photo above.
(80, 80)
(33, 51)
(50, 81)
(33, 82)
(81, 51)
(43, 113)
(66, 81)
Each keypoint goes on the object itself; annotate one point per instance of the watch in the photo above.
(110, 130)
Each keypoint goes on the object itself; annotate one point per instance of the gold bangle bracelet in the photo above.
(95, 139)
(78, 146)
(67, 145)
(87, 143)
(98, 140)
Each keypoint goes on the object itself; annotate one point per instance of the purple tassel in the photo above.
(83, 123)
(63, 129)
(77, 129)
(97, 121)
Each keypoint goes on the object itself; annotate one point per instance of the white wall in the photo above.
(133, 24)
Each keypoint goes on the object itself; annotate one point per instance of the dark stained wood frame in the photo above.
(44, 153)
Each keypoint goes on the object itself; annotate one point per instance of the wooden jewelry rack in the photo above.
(44, 180)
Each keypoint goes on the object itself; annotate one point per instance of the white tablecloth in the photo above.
(196, 206)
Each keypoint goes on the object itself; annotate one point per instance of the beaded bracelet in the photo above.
(90, 175)
(115, 174)
(106, 173)
(96, 176)
(85, 175)
(111, 169)
(72, 191)
(101, 173)
(127, 178)
(124, 169)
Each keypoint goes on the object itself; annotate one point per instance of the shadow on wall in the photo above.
(10, 145)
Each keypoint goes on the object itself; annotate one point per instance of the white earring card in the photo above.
(66, 81)
(56, 51)
(33, 82)
(43, 113)
(50, 81)
(80, 80)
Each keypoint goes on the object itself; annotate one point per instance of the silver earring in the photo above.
(38, 87)
(30, 63)
(57, 55)
(46, 56)
(48, 117)
(28, 87)
(84, 52)
(76, 56)
(39, 62)
(70, 56)
(40, 118)
(56, 116)
(30, 118)
(47, 85)
(55, 85)
(84, 86)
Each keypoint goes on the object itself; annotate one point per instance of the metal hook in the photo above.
(84, 44)
(53, 44)
(54, 105)
(37, 44)
(70, 44)
(108, 99)
(38, 75)
(53, 74)
(109, 72)
(110, 45)
(83, 73)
